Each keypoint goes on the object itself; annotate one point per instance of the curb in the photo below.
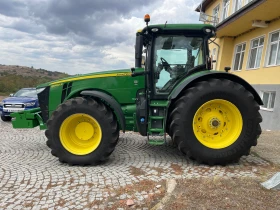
(171, 184)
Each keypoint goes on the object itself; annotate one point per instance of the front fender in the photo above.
(205, 75)
(109, 100)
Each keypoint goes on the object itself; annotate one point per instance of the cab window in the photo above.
(175, 55)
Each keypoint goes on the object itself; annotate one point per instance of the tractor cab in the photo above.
(172, 53)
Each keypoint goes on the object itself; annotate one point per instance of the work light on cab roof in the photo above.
(147, 18)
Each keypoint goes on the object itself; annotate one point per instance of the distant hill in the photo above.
(13, 77)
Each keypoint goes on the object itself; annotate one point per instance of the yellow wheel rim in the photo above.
(217, 124)
(80, 134)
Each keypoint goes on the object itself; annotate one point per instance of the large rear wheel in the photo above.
(215, 122)
(82, 132)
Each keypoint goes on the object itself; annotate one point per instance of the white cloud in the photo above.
(25, 40)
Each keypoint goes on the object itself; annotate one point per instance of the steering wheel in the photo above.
(164, 62)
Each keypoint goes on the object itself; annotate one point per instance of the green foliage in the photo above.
(10, 82)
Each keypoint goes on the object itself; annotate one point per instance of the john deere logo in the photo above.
(123, 74)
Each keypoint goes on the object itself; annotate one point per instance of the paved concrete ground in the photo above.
(31, 178)
(269, 146)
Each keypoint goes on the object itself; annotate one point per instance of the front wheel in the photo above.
(6, 118)
(82, 131)
(215, 122)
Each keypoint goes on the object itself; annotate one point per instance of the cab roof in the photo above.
(182, 26)
(185, 28)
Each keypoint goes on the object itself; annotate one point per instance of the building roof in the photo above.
(241, 21)
(203, 5)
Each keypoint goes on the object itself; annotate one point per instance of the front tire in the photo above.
(82, 131)
(6, 118)
(215, 122)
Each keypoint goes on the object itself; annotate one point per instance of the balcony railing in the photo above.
(208, 19)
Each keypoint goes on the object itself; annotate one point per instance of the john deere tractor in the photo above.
(211, 116)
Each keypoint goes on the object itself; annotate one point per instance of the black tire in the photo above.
(102, 114)
(6, 118)
(47, 134)
(185, 107)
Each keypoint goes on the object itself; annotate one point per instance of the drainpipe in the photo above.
(217, 56)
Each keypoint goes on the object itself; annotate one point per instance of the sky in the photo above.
(81, 36)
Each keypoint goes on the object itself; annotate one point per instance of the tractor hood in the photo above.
(120, 72)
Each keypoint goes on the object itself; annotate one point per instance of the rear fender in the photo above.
(205, 75)
(111, 102)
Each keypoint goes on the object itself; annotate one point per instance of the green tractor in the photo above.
(211, 116)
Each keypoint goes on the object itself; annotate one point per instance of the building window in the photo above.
(273, 58)
(248, 1)
(216, 12)
(226, 8)
(237, 5)
(214, 58)
(256, 53)
(239, 56)
(268, 98)
(214, 53)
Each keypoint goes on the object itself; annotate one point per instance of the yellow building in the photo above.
(248, 38)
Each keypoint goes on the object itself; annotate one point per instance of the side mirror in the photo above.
(227, 69)
(138, 50)
(11, 95)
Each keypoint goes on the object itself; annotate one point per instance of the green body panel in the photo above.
(159, 103)
(119, 84)
(129, 113)
(122, 88)
(79, 77)
(190, 78)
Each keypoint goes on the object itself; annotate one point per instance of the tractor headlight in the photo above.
(30, 104)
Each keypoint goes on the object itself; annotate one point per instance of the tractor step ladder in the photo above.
(156, 125)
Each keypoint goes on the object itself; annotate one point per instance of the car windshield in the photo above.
(32, 93)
